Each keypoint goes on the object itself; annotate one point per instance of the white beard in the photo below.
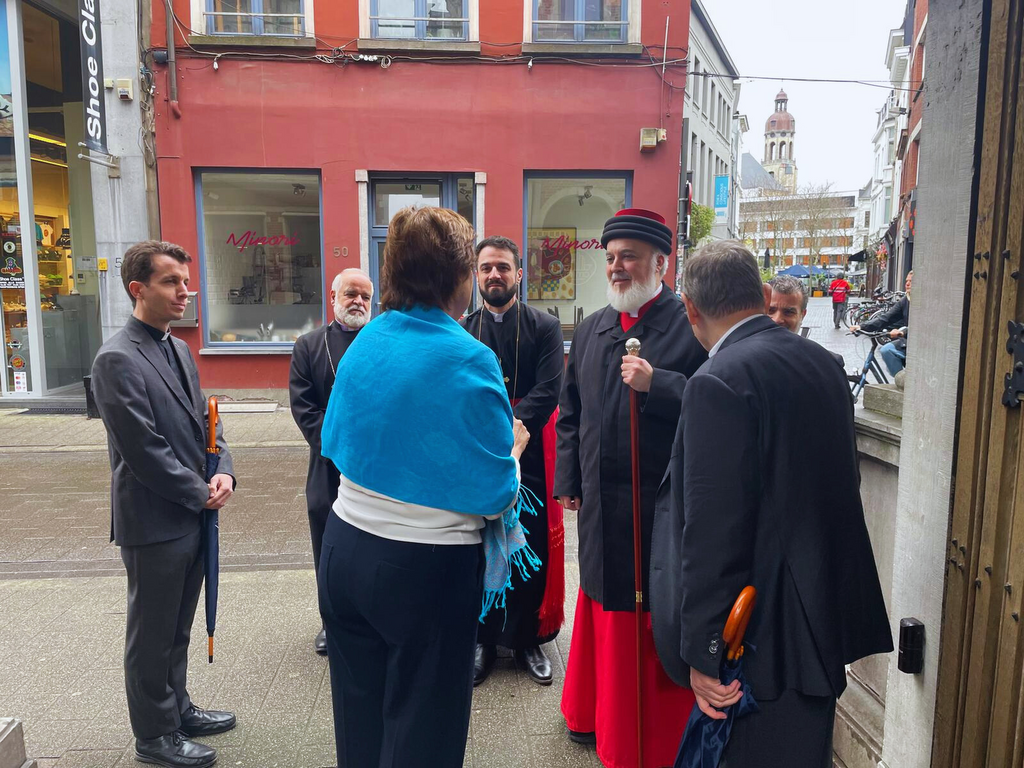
(635, 296)
(353, 319)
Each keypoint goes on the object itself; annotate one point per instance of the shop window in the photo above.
(262, 266)
(591, 21)
(420, 19)
(276, 18)
(564, 263)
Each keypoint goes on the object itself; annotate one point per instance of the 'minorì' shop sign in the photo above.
(248, 239)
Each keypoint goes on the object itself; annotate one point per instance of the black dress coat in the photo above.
(315, 360)
(536, 387)
(747, 500)
(593, 459)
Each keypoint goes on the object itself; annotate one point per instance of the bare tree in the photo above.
(822, 219)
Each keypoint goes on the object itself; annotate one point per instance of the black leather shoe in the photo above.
(206, 722)
(483, 662)
(320, 644)
(583, 737)
(174, 751)
(537, 664)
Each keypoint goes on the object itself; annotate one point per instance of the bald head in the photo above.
(351, 297)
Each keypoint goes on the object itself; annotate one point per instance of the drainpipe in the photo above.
(172, 65)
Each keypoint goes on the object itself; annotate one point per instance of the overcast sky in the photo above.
(818, 39)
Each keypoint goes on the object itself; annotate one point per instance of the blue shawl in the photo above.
(419, 413)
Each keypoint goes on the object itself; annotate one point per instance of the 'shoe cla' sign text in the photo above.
(92, 75)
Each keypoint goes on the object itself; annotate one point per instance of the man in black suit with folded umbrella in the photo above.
(739, 507)
(147, 390)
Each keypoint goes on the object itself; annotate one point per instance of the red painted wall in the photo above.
(502, 119)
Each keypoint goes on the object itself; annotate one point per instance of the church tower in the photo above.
(779, 152)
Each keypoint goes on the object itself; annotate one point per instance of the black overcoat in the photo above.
(315, 359)
(764, 489)
(593, 458)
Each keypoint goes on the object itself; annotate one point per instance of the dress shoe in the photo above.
(537, 664)
(320, 643)
(174, 751)
(206, 722)
(483, 662)
(583, 737)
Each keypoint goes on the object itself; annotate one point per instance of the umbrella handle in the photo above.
(211, 433)
(739, 618)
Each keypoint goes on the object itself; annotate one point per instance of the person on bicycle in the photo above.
(897, 318)
(840, 290)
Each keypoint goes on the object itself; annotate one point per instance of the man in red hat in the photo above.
(593, 476)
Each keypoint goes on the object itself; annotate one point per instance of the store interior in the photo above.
(62, 221)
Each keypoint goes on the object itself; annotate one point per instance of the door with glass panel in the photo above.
(390, 193)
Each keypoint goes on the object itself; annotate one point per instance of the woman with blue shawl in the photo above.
(425, 531)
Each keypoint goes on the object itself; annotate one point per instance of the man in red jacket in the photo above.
(840, 290)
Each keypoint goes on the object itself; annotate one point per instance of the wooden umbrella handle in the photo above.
(211, 432)
(736, 624)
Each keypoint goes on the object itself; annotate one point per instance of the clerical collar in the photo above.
(499, 317)
(647, 303)
(156, 333)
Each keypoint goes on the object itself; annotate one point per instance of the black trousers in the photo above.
(164, 582)
(792, 731)
(401, 624)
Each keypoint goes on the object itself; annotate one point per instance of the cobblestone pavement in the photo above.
(62, 614)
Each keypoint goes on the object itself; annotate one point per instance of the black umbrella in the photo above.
(210, 529)
(704, 739)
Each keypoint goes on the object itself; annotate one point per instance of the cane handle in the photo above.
(211, 433)
(739, 618)
(633, 347)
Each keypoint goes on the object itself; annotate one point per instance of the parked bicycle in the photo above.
(858, 314)
(871, 364)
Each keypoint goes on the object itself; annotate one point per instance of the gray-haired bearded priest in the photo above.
(593, 475)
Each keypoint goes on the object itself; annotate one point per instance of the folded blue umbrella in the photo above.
(704, 739)
(210, 532)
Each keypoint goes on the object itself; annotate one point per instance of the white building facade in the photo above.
(712, 129)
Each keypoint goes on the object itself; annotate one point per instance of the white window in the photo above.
(432, 20)
(264, 18)
(582, 21)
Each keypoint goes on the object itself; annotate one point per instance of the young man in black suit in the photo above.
(147, 390)
(738, 507)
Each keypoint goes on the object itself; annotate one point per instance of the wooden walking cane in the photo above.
(633, 348)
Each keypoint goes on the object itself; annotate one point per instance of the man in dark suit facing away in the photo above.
(315, 361)
(744, 503)
(147, 389)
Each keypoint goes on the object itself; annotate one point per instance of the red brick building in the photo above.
(909, 140)
(296, 130)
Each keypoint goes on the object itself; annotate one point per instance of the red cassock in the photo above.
(600, 689)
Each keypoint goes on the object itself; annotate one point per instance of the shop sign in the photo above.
(12, 273)
(92, 75)
(20, 382)
(249, 239)
(562, 245)
(18, 363)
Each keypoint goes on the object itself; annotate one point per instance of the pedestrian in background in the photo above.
(147, 390)
(840, 290)
(420, 428)
(314, 365)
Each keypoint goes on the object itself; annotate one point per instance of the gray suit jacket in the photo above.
(156, 436)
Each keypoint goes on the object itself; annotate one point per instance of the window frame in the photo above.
(421, 20)
(367, 25)
(202, 17)
(630, 25)
(243, 347)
